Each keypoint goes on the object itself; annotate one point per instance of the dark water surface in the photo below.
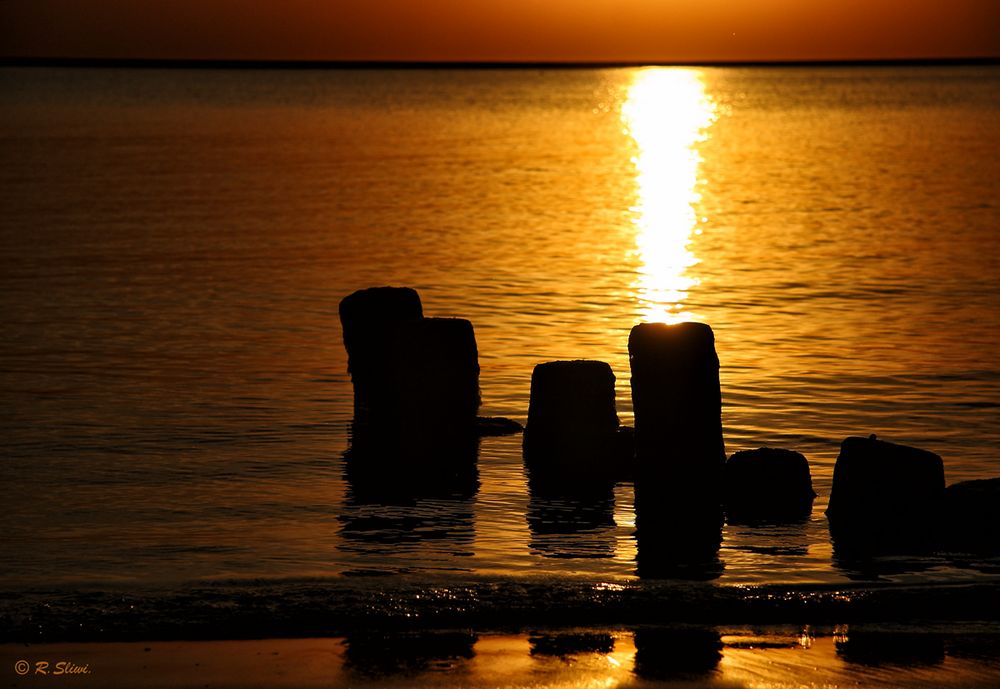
(174, 245)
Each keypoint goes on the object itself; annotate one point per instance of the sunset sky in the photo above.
(509, 30)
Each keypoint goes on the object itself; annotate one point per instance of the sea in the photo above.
(176, 405)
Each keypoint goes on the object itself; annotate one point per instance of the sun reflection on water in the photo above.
(666, 113)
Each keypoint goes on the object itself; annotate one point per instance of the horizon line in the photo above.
(291, 64)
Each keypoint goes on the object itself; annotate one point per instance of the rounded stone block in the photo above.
(767, 485)
(972, 516)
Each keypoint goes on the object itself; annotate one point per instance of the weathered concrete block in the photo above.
(767, 485)
(885, 497)
(678, 447)
(972, 516)
(572, 422)
(368, 318)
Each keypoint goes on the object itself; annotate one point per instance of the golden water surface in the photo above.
(174, 245)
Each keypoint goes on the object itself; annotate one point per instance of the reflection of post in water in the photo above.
(385, 517)
(676, 653)
(382, 655)
(679, 449)
(874, 649)
(569, 644)
(863, 565)
(568, 524)
(769, 540)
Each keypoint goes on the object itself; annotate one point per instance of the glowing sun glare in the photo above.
(666, 113)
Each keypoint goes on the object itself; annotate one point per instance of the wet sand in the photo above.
(679, 656)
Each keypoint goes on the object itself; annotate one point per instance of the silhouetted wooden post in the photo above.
(416, 394)
(885, 497)
(436, 365)
(572, 423)
(678, 438)
(369, 318)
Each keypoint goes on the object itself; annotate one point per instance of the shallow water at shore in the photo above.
(759, 657)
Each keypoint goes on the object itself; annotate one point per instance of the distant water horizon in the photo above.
(297, 63)
(175, 244)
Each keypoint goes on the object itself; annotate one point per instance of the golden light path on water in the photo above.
(667, 112)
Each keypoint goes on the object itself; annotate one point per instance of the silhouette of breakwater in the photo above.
(416, 430)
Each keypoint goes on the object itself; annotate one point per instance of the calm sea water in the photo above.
(174, 245)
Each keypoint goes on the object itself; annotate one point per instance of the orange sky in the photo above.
(544, 30)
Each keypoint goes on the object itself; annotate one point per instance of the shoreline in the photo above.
(322, 608)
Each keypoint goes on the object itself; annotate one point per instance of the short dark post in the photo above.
(680, 452)
(369, 317)
(572, 423)
(885, 497)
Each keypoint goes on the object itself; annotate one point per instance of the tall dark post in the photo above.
(572, 424)
(680, 452)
